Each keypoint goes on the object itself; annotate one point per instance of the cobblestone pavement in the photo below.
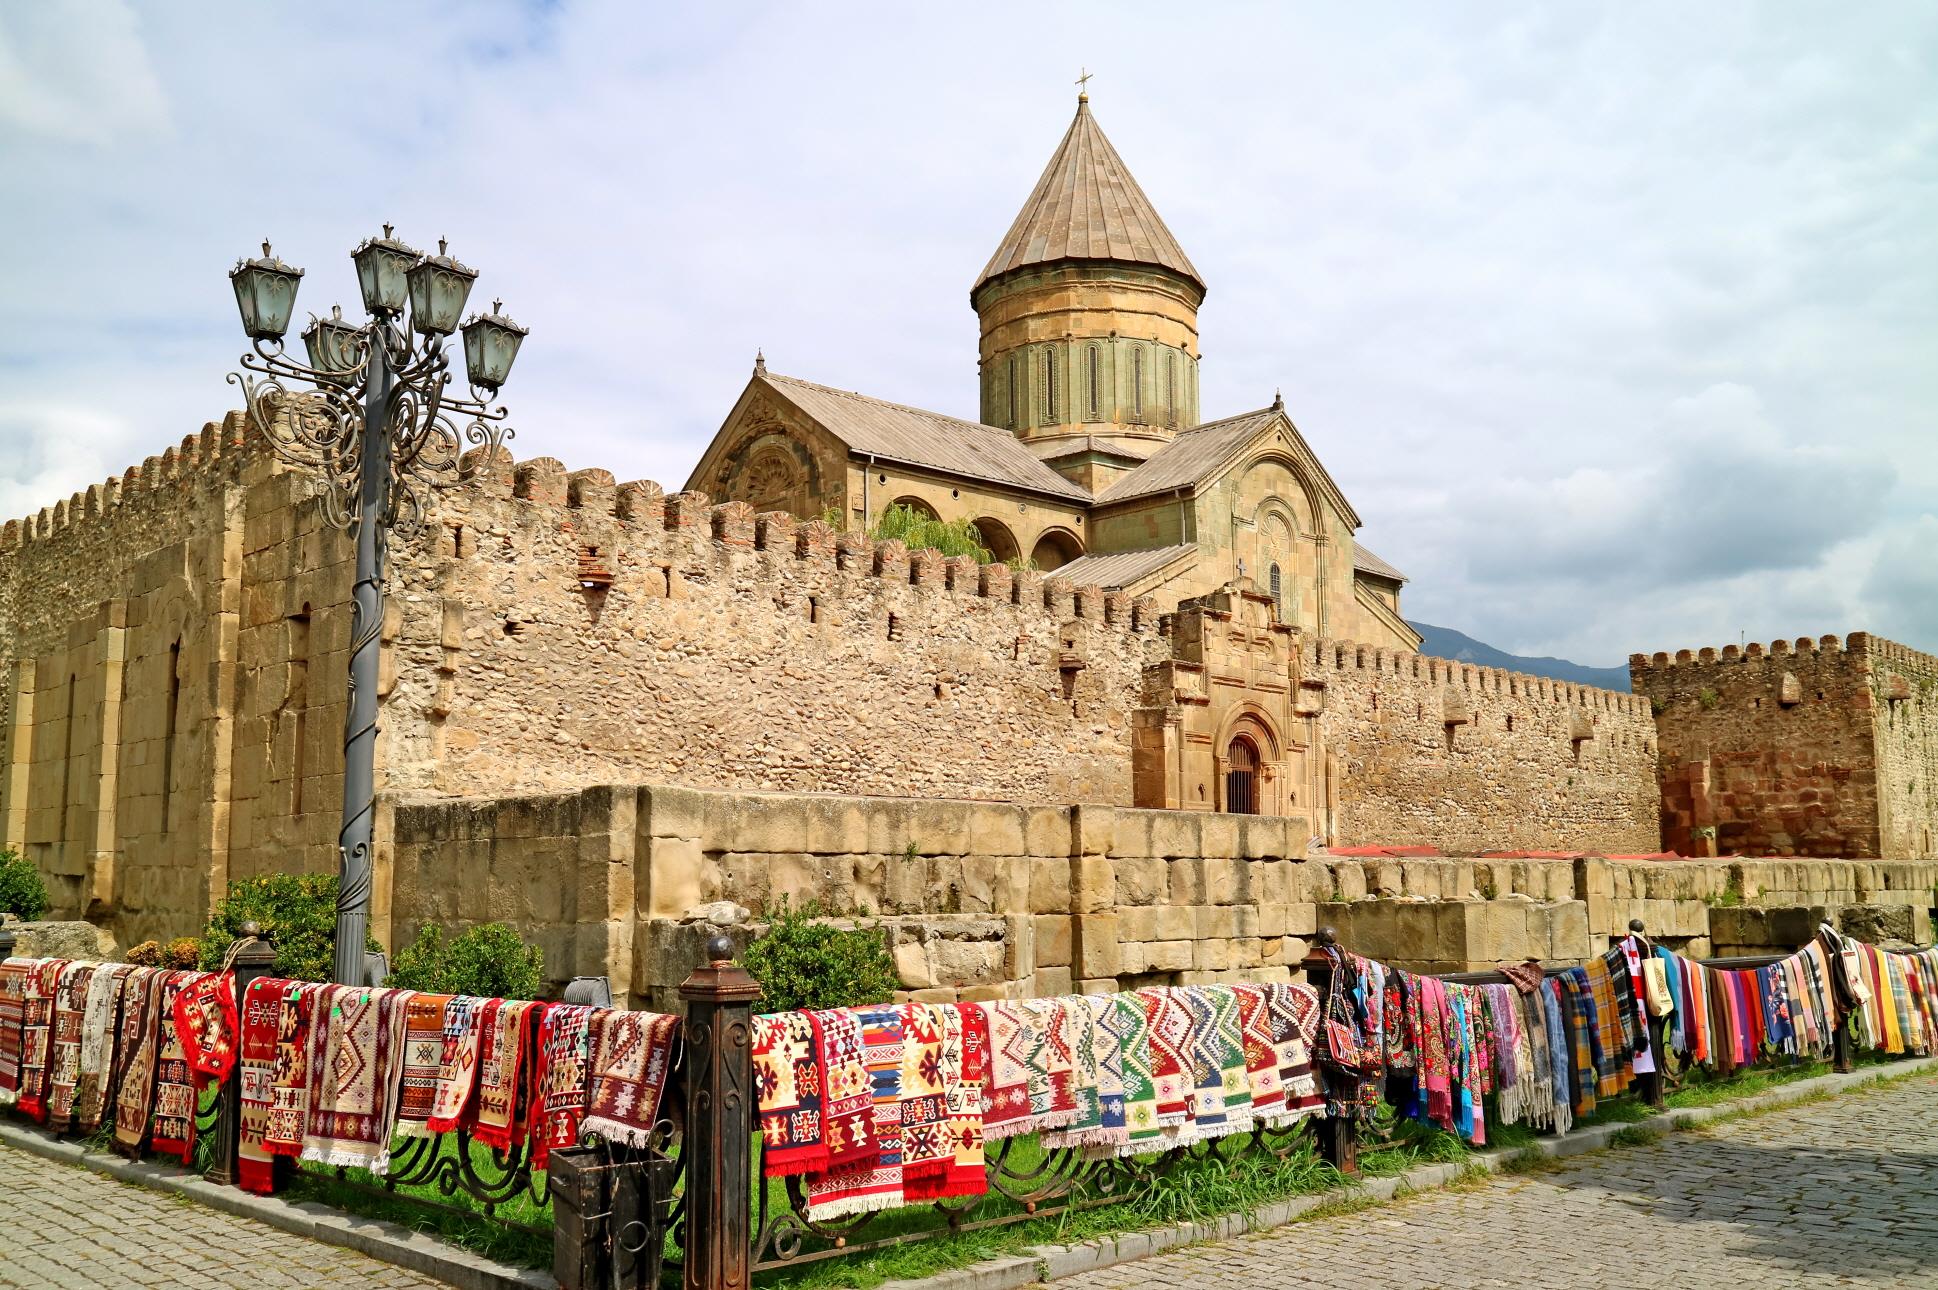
(64, 1226)
(1833, 1193)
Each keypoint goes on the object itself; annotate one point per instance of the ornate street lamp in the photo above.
(378, 423)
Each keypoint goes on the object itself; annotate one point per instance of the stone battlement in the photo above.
(1804, 647)
(1348, 657)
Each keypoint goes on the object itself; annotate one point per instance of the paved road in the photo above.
(1836, 1193)
(62, 1226)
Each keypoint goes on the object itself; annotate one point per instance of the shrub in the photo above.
(182, 952)
(489, 960)
(146, 954)
(296, 911)
(22, 893)
(803, 961)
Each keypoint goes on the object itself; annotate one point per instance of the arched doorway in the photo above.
(1241, 777)
(1055, 549)
(995, 535)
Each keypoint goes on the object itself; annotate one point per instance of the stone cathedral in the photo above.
(1091, 458)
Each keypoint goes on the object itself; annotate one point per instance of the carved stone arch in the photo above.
(1312, 523)
(1055, 547)
(771, 469)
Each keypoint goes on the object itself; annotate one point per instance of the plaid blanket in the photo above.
(13, 1021)
(99, 1026)
(261, 1018)
(457, 1069)
(564, 1069)
(787, 1084)
(289, 1100)
(355, 1061)
(876, 1184)
(64, 1055)
(1613, 1044)
(139, 1041)
(631, 1062)
(423, 1060)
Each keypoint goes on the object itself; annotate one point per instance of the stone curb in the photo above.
(1053, 1262)
(379, 1239)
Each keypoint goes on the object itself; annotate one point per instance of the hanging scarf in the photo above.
(64, 1058)
(1006, 1099)
(631, 1061)
(501, 1053)
(37, 1036)
(1436, 1064)
(927, 1154)
(171, 1131)
(457, 1063)
(787, 1086)
(876, 1184)
(204, 1013)
(356, 1059)
(1205, 1073)
(565, 1059)
(289, 1086)
(1584, 1041)
(1114, 1028)
(13, 1021)
(261, 1020)
(423, 1060)
(140, 1000)
(1560, 1051)
(100, 1023)
(848, 1116)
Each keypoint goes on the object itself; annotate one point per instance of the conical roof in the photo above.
(1087, 207)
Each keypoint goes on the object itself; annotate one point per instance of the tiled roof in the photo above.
(1365, 561)
(1087, 207)
(1120, 568)
(917, 437)
(1191, 456)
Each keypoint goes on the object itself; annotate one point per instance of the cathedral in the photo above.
(1091, 460)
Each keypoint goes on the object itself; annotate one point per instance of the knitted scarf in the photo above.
(423, 1060)
(205, 1024)
(289, 1086)
(1584, 1041)
(37, 1036)
(848, 1103)
(565, 1060)
(1614, 1042)
(631, 1062)
(99, 1026)
(877, 1184)
(13, 1021)
(501, 1050)
(64, 1058)
(1006, 1098)
(140, 1000)
(1560, 1079)
(355, 1062)
(261, 1019)
(787, 1085)
(927, 1154)
(457, 1065)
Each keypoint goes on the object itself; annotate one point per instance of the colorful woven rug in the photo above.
(848, 1107)
(564, 1070)
(171, 1127)
(205, 1024)
(787, 1083)
(355, 1060)
(964, 1039)
(13, 1021)
(457, 1068)
(37, 1034)
(1079, 1022)
(501, 1053)
(1261, 1053)
(64, 1059)
(631, 1063)
(100, 1026)
(423, 1058)
(1171, 1062)
(135, 1084)
(261, 1021)
(1006, 1095)
(1132, 1020)
(927, 1154)
(289, 1088)
(875, 1185)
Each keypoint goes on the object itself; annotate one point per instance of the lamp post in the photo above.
(378, 425)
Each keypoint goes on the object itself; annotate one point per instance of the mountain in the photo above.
(1445, 642)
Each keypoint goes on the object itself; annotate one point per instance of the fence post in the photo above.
(719, 1118)
(254, 957)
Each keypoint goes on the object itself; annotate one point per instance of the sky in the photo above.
(1618, 327)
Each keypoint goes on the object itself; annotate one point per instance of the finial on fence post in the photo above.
(250, 958)
(720, 1099)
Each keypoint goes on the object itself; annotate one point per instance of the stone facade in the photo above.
(1821, 747)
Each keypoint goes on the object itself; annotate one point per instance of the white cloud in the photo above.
(77, 71)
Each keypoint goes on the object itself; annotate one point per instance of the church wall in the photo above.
(1027, 517)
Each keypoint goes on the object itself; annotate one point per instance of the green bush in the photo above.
(804, 962)
(296, 911)
(21, 891)
(489, 960)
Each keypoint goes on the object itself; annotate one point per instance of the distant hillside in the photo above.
(1445, 642)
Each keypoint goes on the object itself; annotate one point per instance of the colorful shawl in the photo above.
(355, 1062)
(261, 1020)
(205, 1024)
(787, 1083)
(99, 1025)
(1006, 1099)
(1559, 1051)
(140, 998)
(501, 1052)
(1053, 1101)
(631, 1063)
(13, 1021)
(423, 1062)
(37, 1036)
(877, 1184)
(848, 1105)
(1111, 1029)
(64, 1058)
(565, 1061)
(289, 1089)
(457, 1067)
(927, 1154)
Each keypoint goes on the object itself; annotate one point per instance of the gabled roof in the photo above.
(916, 437)
(1197, 455)
(1087, 207)
(1121, 568)
(1365, 561)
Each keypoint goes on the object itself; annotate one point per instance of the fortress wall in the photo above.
(1434, 752)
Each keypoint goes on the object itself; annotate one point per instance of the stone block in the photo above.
(1050, 885)
(828, 881)
(1048, 983)
(1176, 833)
(1142, 881)
(966, 962)
(912, 966)
(890, 825)
(1214, 922)
(1568, 930)
(1218, 835)
(1187, 880)
(1212, 956)
(1096, 945)
(1047, 830)
(996, 829)
(1349, 879)
(1176, 922)
(1137, 922)
(1019, 947)
(1054, 940)
(673, 868)
(1092, 829)
(1093, 884)
(1167, 956)
(1100, 985)
(672, 812)
(834, 825)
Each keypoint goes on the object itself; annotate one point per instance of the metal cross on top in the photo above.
(1083, 83)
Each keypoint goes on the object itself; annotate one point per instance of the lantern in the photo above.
(265, 294)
